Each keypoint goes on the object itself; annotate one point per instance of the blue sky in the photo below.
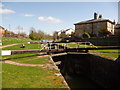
(53, 16)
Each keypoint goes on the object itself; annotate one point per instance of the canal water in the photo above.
(80, 81)
(75, 80)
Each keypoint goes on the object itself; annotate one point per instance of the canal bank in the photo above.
(82, 70)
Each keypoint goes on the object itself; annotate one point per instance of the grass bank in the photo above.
(14, 76)
(27, 47)
(12, 40)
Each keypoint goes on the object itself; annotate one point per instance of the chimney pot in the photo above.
(100, 16)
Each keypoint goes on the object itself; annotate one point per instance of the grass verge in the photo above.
(27, 47)
(14, 76)
(11, 40)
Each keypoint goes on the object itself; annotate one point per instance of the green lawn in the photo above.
(14, 76)
(28, 58)
(107, 53)
(27, 47)
(11, 40)
(114, 50)
(42, 60)
(28, 77)
(20, 56)
(115, 55)
(74, 45)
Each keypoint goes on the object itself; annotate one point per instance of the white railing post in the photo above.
(55, 46)
(58, 46)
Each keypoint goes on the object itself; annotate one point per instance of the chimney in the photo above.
(95, 16)
(114, 22)
(100, 16)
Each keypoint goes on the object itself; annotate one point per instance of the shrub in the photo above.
(86, 35)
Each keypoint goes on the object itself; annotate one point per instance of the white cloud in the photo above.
(1, 5)
(51, 19)
(42, 18)
(54, 19)
(6, 11)
(28, 15)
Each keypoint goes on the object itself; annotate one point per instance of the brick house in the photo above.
(94, 26)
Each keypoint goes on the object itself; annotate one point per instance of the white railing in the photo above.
(85, 43)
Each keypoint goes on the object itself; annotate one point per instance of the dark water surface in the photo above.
(88, 71)
(80, 81)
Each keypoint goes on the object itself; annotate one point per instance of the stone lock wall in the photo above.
(104, 72)
(104, 41)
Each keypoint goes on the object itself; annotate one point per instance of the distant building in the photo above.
(2, 30)
(94, 26)
(64, 33)
(117, 29)
(67, 33)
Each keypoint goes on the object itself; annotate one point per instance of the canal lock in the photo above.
(82, 70)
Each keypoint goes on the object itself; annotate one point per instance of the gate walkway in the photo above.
(52, 48)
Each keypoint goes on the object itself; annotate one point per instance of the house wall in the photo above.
(110, 27)
(93, 28)
(69, 32)
(1, 31)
